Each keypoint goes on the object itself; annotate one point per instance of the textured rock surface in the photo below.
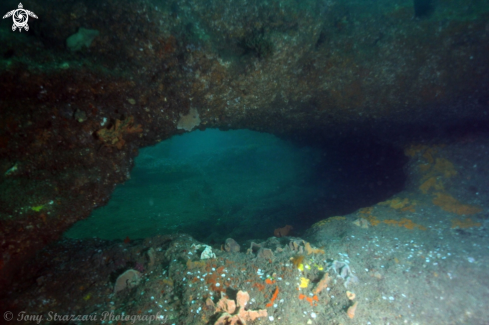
(309, 69)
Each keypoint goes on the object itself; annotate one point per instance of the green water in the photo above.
(212, 185)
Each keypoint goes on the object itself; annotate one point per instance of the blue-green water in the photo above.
(242, 184)
(210, 184)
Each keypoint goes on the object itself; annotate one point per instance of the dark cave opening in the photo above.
(243, 184)
(363, 173)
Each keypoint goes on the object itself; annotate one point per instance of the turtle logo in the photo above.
(20, 17)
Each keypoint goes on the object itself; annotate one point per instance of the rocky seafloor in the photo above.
(417, 258)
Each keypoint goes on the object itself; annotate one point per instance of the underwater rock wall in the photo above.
(411, 259)
(72, 121)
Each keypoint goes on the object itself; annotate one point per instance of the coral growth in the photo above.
(352, 309)
(366, 213)
(282, 232)
(259, 286)
(274, 297)
(233, 313)
(361, 222)
(128, 279)
(189, 121)
(297, 260)
(195, 264)
(295, 245)
(435, 171)
(444, 168)
(325, 221)
(431, 183)
(466, 223)
(343, 270)
(311, 250)
(400, 204)
(113, 136)
(265, 253)
(151, 256)
(322, 284)
(406, 223)
(450, 204)
(301, 245)
(311, 300)
(304, 283)
(231, 245)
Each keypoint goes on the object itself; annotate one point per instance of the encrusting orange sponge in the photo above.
(275, 294)
(351, 310)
